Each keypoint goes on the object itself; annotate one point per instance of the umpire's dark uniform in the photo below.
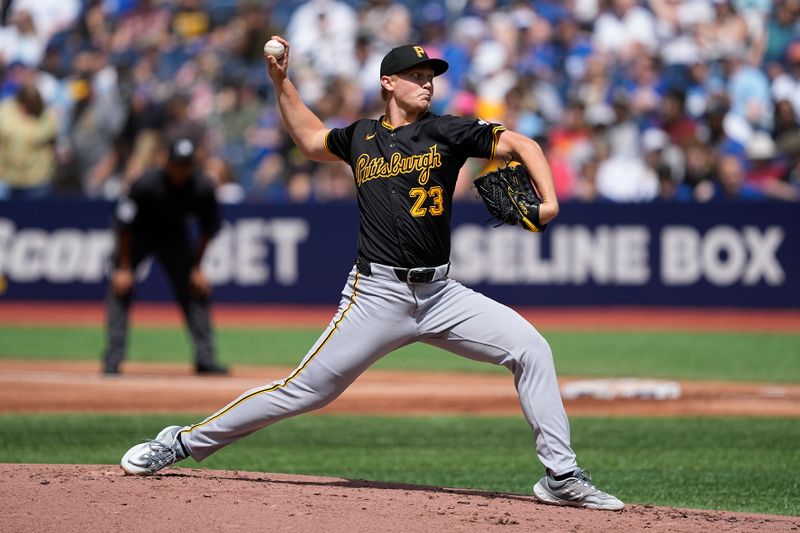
(153, 219)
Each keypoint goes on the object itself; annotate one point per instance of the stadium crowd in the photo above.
(634, 101)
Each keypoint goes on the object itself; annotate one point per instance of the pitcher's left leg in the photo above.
(472, 325)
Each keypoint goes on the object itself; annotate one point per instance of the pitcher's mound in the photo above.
(100, 497)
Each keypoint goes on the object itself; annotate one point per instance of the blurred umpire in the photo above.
(154, 219)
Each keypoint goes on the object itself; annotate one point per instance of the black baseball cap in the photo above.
(182, 150)
(408, 56)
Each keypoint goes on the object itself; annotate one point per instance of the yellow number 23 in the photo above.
(436, 194)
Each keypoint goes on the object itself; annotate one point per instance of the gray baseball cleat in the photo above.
(151, 456)
(575, 491)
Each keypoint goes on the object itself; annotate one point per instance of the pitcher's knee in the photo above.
(318, 401)
(309, 395)
(534, 351)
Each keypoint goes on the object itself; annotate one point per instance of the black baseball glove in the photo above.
(510, 197)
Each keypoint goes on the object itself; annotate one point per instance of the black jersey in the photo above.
(405, 178)
(158, 211)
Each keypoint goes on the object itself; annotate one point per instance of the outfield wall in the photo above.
(731, 254)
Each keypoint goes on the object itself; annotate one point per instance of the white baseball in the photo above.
(274, 48)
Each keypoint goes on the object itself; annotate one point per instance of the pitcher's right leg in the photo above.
(372, 321)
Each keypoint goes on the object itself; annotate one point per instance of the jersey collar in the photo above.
(389, 127)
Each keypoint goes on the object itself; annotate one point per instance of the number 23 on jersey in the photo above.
(427, 201)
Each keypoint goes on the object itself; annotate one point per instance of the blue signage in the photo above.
(720, 255)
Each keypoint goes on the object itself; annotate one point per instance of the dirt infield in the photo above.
(31, 386)
(82, 497)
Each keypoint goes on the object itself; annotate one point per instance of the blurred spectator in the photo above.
(625, 29)
(48, 16)
(726, 34)
(180, 123)
(190, 20)
(596, 87)
(571, 140)
(781, 29)
(767, 171)
(334, 182)
(623, 132)
(787, 128)
(141, 135)
(226, 189)
(681, 128)
(786, 84)
(586, 189)
(250, 28)
(521, 112)
(238, 108)
(27, 145)
(750, 98)
(600, 118)
(713, 130)
(300, 188)
(642, 86)
(665, 159)
(146, 25)
(320, 30)
(21, 42)
(573, 48)
(670, 189)
(699, 171)
(389, 23)
(730, 182)
(699, 87)
(94, 117)
(368, 59)
(678, 26)
(594, 77)
(492, 75)
(540, 53)
(626, 179)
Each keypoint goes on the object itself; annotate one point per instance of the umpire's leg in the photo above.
(117, 310)
(177, 260)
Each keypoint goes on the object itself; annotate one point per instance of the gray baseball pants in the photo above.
(379, 313)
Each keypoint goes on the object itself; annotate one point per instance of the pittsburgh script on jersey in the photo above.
(371, 168)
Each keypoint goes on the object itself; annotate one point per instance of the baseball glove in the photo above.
(510, 197)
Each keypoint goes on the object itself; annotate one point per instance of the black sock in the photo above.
(562, 477)
(180, 443)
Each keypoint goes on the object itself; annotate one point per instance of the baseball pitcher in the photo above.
(405, 165)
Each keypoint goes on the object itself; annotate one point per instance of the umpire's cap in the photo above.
(408, 56)
(182, 150)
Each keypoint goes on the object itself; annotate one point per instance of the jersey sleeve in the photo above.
(474, 137)
(338, 141)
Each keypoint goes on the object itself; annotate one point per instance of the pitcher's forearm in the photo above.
(534, 159)
(304, 127)
(520, 148)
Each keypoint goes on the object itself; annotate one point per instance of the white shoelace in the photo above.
(160, 455)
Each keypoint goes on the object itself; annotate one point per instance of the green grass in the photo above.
(712, 463)
(687, 355)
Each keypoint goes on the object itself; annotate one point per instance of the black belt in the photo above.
(407, 275)
(415, 275)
